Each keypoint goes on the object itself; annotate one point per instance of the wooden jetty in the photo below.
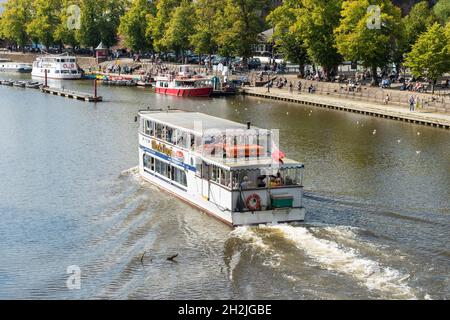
(72, 94)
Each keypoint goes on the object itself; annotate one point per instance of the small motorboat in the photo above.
(19, 84)
(33, 85)
(7, 82)
(144, 84)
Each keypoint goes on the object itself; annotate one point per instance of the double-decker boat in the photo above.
(60, 67)
(229, 170)
(184, 84)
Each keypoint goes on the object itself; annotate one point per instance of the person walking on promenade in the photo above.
(386, 99)
(418, 106)
(299, 87)
(411, 103)
(290, 87)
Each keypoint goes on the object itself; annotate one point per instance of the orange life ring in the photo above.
(253, 202)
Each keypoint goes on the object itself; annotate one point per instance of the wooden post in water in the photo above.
(95, 88)
(45, 85)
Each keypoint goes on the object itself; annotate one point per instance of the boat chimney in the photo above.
(249, 125)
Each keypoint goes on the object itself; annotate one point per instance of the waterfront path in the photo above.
(422, 116)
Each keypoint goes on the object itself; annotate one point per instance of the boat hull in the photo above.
(60, 77)
(190, 92)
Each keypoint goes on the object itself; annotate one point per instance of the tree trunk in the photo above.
(302, 70)
(433, 83)
(374, 77)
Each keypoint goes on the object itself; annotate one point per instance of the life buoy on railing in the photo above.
(72, 66)
(65, 66)
(253, 202)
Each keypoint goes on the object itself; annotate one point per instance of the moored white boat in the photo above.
(229, 170)
(15, 67)
(60, 67)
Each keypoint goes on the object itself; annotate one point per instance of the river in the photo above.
(377, 195)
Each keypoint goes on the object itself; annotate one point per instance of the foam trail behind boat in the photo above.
(331, 256)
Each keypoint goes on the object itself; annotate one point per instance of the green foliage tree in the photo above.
(157, 24)
(69, 23)
(239, 25)
(180, 28)
(203, 40)
(369, 36)
(417, 21)
(13, 20)
(287, 39)
(316, 22)
(110, 20)
(430, 55)
(99, 22)
(46, 15)
(133, 25)
(442, 11)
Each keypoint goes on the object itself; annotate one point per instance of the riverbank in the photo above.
(423, 116)
(20, 57)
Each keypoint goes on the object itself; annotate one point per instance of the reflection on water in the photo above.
(378, 206)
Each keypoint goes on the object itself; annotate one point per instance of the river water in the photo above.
(378, 203)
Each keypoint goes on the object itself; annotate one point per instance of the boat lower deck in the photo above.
(232, 219)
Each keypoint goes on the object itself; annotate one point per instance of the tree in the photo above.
(110, 20)
(442, 11)
(158, 23)
(417, 21)
(316, 22)
(430, 55)
(369, 33)
(69, 22)
(180, 28)
(133, 25)
(99, 22)
(45, 17)
(287, 39)
(15, 16)
(239, 26)
(203, 40)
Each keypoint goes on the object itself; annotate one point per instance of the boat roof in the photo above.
(252, 164)
(189, 121)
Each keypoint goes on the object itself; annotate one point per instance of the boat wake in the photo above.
(331, 256)
(342, 252)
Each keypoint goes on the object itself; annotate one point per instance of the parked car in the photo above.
(254, 63)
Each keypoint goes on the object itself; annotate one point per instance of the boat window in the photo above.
(221, 176)
(56, 71)
(198, 167)
(162, 168)
(182, 139)
(149, 162)
(160, 131)
(192, 142)
(148, 128)
(170, 136)
(74, 71)
(179, 176)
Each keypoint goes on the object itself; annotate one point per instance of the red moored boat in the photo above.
(185, 84)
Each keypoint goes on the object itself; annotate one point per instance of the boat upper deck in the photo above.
(221, 142)
(193, 122)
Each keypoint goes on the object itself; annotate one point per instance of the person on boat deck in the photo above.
(260, 182)
(289, 181)
(279, 177)
(245, 184)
